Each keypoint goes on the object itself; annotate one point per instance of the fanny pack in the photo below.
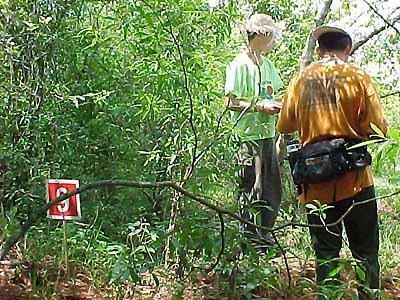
(326, 160)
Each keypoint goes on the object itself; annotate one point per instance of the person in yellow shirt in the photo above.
(328, 100)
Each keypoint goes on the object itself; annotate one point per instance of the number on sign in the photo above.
(63, 206)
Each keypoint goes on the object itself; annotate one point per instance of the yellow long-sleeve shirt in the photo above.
(332, 100)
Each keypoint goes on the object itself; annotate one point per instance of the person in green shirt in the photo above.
(251, 83)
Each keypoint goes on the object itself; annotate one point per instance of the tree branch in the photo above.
(390, 94)
(215, 138)
(305, 59)
(380, 16)
(178, 47)
(338, 220)
(361, 42)
(41, 212)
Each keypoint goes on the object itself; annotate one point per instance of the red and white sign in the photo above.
(70, 208)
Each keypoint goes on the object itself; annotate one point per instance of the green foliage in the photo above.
(114, 88)
(99, 90)
(318, 209)
(129, 89)
(386, 154)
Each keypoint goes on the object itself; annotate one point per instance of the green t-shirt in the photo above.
(243, 80)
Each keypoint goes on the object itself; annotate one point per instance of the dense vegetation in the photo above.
(96, 90)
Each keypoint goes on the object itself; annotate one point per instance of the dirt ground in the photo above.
(16, 282)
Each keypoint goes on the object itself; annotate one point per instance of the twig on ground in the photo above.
(284, 258)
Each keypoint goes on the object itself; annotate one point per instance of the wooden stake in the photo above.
(66, 248)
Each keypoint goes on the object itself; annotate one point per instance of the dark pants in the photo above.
(362, 229)
(260, 187)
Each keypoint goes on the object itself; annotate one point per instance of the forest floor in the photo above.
(44, 281)
(16, 283)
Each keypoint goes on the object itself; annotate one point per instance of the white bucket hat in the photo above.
(262, 23)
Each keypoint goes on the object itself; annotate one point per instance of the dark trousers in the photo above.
(362, 229)
(260, 187)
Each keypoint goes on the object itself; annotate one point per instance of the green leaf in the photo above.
(122, 271)
(31, 26)
(377, 130)
(360, 272)
(251, 285)
(335, 271)
(311, 206)
(365, 143)
(176, 243)
(44, 20)
(394, 133)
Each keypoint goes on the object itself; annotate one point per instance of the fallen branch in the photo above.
(338, 220)
(41, 212)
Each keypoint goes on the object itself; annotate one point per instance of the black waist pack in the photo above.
(326, 160)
